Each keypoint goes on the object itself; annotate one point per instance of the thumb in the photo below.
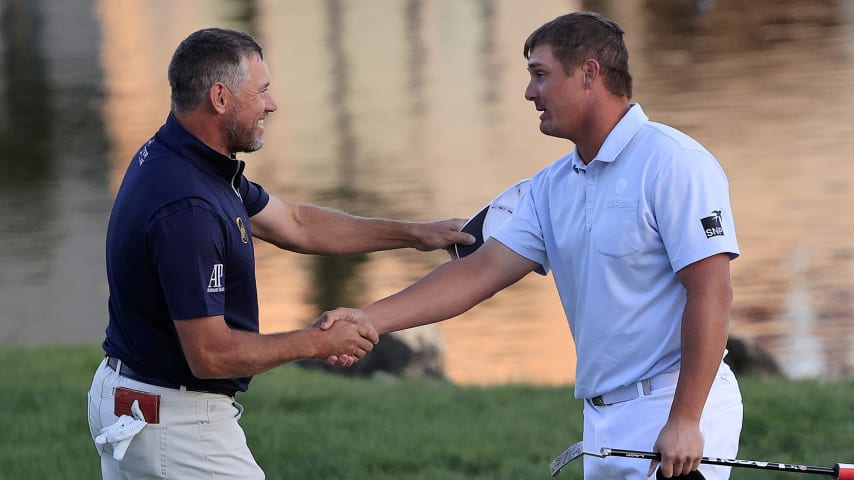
(328, 318)
(325, 322)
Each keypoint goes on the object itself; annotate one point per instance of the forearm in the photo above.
(331, 232)
(263, 352)
(430, 300)
(317, 230)
(450, 290)
(214, 350)
(702, 350)
(242, 354)
(705, 323)
(680, 440)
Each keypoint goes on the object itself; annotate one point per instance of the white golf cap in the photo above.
(483, 224)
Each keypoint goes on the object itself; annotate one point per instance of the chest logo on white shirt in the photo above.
(712, 225)
(215, 283)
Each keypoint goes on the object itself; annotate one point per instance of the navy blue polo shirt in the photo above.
(179, 246)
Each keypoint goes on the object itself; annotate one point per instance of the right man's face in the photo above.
(553, 92)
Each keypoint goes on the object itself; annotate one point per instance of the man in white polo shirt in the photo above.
(636, 226)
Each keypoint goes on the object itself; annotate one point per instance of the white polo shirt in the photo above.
(614, 233)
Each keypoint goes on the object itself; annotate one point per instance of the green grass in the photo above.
(307, 424)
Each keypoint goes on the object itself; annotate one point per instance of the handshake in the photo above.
(346, 336)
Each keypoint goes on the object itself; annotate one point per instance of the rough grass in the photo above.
(308, 424)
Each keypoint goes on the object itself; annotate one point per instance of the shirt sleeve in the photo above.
(187, 244)
(522, 232)
(254, 196)
(692, 209)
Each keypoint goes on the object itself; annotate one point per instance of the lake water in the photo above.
(414, 109)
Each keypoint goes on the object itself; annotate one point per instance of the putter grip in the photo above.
(695, 475)
(844, 471)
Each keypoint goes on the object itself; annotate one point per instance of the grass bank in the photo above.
(305, 424)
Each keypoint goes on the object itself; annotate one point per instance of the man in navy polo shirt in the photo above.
(636, 226)
(183, 334)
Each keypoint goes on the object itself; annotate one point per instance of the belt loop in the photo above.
(202, 411)
(646, 385)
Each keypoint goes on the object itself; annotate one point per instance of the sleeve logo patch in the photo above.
(215, 283)
(712, 225)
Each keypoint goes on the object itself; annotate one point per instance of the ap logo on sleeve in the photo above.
(215, 283)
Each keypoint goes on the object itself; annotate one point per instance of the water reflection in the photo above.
(414, 109)
(25, 87)
(800, 316)
(336, 280)
(53, 187)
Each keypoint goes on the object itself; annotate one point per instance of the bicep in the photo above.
(708, 300)
(499, 267)
(277, 223)
(200, 337)
(707, 275)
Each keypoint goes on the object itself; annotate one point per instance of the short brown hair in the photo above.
(577, 36)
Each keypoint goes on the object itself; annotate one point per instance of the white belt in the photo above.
(636, 390)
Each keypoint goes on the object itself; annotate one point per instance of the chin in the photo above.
(546, 130)
(249, 147)
(552, 132)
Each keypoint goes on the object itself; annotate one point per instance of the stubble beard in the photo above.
(241, 138)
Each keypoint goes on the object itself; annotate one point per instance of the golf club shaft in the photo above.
(732, 462)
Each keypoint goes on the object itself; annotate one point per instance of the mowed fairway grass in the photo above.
(312, 425)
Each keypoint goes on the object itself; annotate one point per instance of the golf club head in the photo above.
(568, 455)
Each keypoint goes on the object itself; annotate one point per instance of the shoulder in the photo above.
(673, 150)
(667, 138)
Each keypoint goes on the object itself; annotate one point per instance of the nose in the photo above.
(270, 104)
(530, 92)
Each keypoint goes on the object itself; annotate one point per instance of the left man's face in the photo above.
(252, 102)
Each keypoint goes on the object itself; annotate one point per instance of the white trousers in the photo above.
(635, 425)
(198, 435)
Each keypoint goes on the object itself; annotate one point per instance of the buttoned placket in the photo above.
(590, 184)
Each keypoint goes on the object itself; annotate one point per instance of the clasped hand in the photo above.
(359, 336)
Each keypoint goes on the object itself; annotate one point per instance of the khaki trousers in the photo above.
(198, 435)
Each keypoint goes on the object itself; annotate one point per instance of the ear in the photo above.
(589, 71)
(219, 96)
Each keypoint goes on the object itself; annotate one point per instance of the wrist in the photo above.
(684, 415)
(308, 343)
(412, 231)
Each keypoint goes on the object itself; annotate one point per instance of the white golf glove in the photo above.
(122, 432)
